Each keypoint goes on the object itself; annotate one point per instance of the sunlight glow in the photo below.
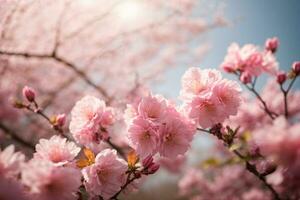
(131, 11)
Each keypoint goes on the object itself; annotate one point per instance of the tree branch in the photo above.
(68, 64)
(249, 167)
(10, 133)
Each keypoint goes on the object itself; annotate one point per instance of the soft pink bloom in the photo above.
(196, 81)
(90, 119)
(269, 63)
(280, 141)
(47, 181)
(10, 162)
(272, 44)
(228, 94)
(11, 190)
(205, 111)
(56, 150)
(143, 136)
(221, 100)
(176, 134)
(152, 107)
(106, 176)
(249, 59)
(240, 58)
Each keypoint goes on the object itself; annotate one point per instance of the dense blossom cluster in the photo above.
(102, 149)
(156, 126)
(205, 93)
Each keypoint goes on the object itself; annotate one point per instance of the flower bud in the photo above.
(153, 168)
(29, 93)
(60, 120)
(245, 78)
(147, 161)
(296, 67)
(272, 44)
(281, 77)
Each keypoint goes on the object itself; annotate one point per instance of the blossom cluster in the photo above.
(155, 126)
(208, 98)
(258, 138)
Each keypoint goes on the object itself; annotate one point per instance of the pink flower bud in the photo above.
(147, 161)
(296, 67)
(272, 44)
(153, 168)
(281, 77)
(29, 93)
(245, 78)
(61, 119)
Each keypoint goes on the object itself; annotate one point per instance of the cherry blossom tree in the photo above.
(83, 123)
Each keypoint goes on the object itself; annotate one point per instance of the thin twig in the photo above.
(249, 167)
(128, 181)
(285, 95)
(66, 63)
(10, 133)
(252, 89)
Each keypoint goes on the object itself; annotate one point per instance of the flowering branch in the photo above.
(216, 131)
(128, 181)
(252, 89)
(285, 94)
(56, 122)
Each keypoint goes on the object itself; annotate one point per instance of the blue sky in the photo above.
(254, 21)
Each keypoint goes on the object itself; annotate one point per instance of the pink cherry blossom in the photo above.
(280, 141)
(176, 134)
(143, 136)
(205, 110)
(152, 107)
(250, 59)
(220, 99)
(47, 181)
(196, 81)
(229, 95)
(10, 162)
(90, 119)
(56, 150)
(106, 176)
(272, 44)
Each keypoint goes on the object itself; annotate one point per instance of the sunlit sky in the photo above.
(254, 21)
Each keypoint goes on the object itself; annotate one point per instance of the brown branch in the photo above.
(11, 134)
(252, 89)
(285, 95)
(249, 167)
(128, 181)
(68, 64)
